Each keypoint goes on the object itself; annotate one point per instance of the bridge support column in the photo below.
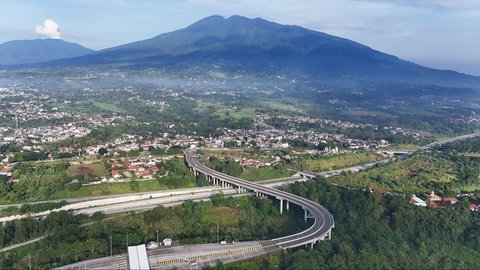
(306, 214)
(328, 236)
(288, 205)
(281, 206)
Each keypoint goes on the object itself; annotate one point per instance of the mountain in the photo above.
(238, 43)
(18, 52)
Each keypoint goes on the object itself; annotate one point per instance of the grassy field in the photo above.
(224, 216)
(403, 147)
(363, 113)
(225, 112)
(258, 174)
(335, 162)
(97, 169)
(291, 107)
(108, 107)
(236, 114)
(109, 189)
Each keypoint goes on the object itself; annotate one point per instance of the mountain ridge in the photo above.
(238, 43)
(21, 52)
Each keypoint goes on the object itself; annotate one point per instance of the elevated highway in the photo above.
(323, 221)
(458, 138)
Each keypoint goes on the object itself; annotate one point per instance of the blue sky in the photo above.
(442, 34)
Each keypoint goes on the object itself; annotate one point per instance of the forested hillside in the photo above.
(374, 232)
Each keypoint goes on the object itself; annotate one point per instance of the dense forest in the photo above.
(374, 232)
(446, 172)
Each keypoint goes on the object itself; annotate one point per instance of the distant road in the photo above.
(458, 138)
(92, 198)
(21, 244)
(140, 201)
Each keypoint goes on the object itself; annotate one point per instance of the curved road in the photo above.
(323, 220)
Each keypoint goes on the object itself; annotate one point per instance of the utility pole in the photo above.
(127, 239)
(111, 246)
(218, 234)
(29, 262)
(157, 237)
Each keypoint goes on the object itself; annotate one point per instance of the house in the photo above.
(116, 174)
(416, 201)
(433, 204)
(474, 207)
(433, 197)
(450, 201)
(146, 175)
(5, 171)
(153, 168)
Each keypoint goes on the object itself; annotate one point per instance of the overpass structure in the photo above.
(459, 138)
(323, 223)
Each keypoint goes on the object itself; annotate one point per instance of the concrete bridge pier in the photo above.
(307, 215)
(311, 244)
(281, 206)
(328, 236)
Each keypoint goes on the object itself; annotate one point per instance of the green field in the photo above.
(227, 112)
(335, 162)
(258, 174)
(97, 169)
(109, 189)
(286, 106)
(363, 113)
(236, 114)
(108, 107)
(224, 216)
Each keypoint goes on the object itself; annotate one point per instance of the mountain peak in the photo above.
(18, 52)
(208, 21)
(240, 43)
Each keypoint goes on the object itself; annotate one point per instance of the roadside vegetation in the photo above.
(233, 168)
(67, 241)
(322, 163)
(59, 180)
(448, 169)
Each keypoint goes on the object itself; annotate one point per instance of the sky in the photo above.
(443, 34)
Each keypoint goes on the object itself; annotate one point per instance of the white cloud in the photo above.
(49, 29)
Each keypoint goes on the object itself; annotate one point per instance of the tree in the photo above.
(102, 151)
